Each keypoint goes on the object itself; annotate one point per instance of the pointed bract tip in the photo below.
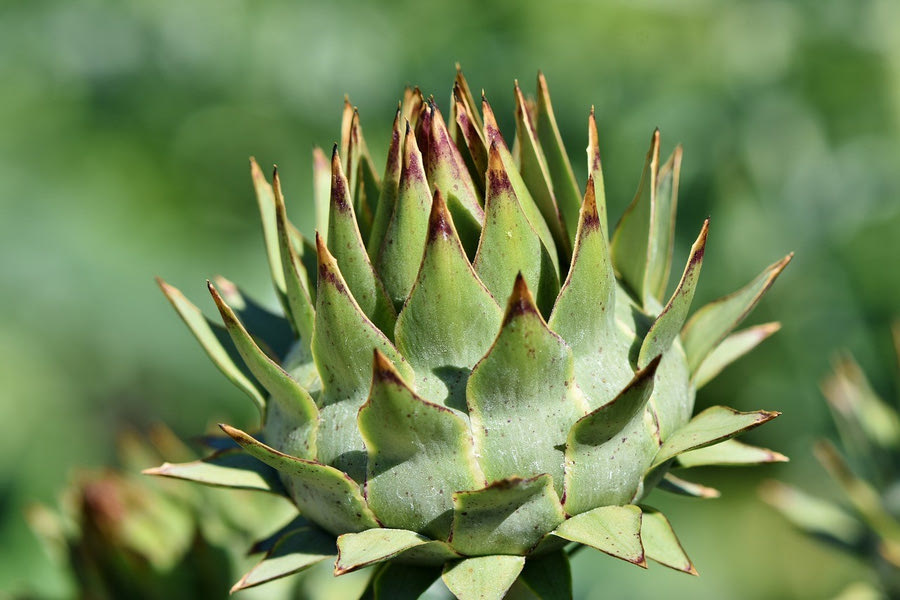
(335, 156)
(255, 172)
(383, 370)
(650, 369)
(238, 586)
(521, 301)
(160, 470)
(322, 254)
(590, 215)
(440, 223)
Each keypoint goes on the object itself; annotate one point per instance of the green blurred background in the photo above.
(125, 128)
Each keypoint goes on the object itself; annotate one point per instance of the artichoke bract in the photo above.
(471, 374)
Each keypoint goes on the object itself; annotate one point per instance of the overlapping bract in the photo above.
(480, 375)
(866, 523)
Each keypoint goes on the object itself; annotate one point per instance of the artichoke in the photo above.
(471, 375)
(866, 524)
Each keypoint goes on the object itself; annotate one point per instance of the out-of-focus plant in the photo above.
(866, 522)
(122, 535)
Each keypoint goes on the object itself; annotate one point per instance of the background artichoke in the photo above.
(410, 415)
(866, 523)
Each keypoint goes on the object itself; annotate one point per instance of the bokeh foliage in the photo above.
(126, 127)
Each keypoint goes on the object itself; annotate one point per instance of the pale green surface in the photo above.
(419, 455)
(346, 244)
(357, 550)
(615, 530)
(730, 349)
(606, 450)
(342, 346)
(322, 493)
(228, 468)
(729, 452)
(715, 424)
(444, 345)
(482, 577)
(660, 542)
(401, 247)
(712, 322)
(509, 516)
(296, 551)
(296, 409)
(510, 244)
(522, 398)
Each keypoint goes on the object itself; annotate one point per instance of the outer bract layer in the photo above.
(471, 373)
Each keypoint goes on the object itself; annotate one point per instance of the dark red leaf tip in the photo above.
(440, 223)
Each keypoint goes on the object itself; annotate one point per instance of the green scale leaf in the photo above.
(203, 331)
(358, 550)
(509, 245)
(419, 454)
(520, 190)
(606, 450)
(713, 425)
(389, 190)
(509, 516)
(595, 174)
(534, 171)
(297, 414)
(469, 140)
(446, 171)
(450, 318)
(661, 544)
(670, 321)
(522, 396)
(342, 346)
(546, 577)
(272, 332)
(712, 323)
(296, 551)
(676, 485)
(226, 468)
(401, 250)
(661, 240)
(730, 349)
(398, 581)
(483, 577)
(584, 313)
(640, 243)
(321, 190)
(325, 495)
(346, 244)
(265, 198)
(614, 530)
(729, 453)
(301, 311)
(562, 176)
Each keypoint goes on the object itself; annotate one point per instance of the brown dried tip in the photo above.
(699, 247)
(497, 178)
(521, 302)
(440, 223)
(340, 197)
(255, 171)
(227, 314)
(491, 129)
(590, 217)
(383, 369)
